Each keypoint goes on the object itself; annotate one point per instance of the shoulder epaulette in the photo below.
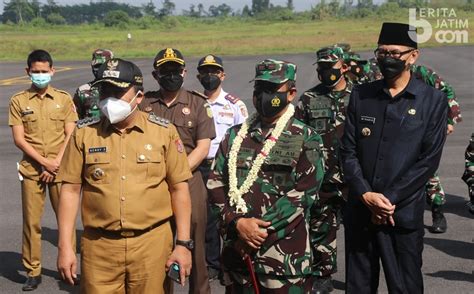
(61, 91)
(232, 99)
(19, 93)
(158, 120)
(198, 94)
(87, 122)
(152, 94)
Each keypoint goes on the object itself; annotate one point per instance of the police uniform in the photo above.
(43, 119)
(192, 116)
(126, 203)
(391, 145)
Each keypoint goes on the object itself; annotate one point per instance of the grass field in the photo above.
(223, 37)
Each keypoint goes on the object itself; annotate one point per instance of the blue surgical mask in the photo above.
(40, 80)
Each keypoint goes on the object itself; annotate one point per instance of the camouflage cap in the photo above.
(100, 56)
(346, 47)
(275, 71)
(329, 54)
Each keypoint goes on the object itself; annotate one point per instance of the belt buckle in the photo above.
(127, 234)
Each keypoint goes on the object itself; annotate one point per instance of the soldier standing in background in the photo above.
(86, 97)
(265, 179)
(323, 108)
(227, 110)
(468, 176)
(192, 116)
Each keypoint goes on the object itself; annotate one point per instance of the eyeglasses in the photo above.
(395, 53)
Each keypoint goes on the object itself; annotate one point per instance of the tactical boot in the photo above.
(322, 285)
(439, 221)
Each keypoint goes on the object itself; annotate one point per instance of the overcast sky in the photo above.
(184, 4)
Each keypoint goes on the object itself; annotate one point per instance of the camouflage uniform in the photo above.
(286, 188)
(324, 109)
(468, 175)
(86, 98)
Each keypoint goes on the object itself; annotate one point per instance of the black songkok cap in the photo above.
(398, 34)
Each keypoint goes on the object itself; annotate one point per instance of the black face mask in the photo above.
(171, 82)
(95, 71)
(357, 71)
(210, 82)
(270, 104)
(391, 67)
(329, 77)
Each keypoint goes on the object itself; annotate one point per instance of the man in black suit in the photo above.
(392, 144)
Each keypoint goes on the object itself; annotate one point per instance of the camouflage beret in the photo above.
(275, 71)
(100, 56)
(329, 54)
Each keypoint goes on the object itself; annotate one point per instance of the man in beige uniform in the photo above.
(132, 169)
(42, 119)
(192, 116)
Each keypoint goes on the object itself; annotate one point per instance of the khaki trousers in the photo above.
(33, 194)
(130, 265)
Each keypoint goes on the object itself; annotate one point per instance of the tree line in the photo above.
(115, 14)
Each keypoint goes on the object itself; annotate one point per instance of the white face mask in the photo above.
(116, 110)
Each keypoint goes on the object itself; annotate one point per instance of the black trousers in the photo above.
(400, 251)
(213, 239)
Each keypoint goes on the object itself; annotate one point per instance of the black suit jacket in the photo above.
(393, 146)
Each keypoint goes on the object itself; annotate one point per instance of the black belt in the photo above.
(128, 233)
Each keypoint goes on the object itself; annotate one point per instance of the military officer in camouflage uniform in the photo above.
(265, 179)
(86, 97)
(435, 193)
(323, 108)
(468, 175)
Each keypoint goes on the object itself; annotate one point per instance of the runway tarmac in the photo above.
(448, 258)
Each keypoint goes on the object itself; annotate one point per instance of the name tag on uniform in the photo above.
(367, 119)
(97, 150)
(23, 113)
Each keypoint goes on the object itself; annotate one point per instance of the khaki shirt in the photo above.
(125, 176)
(43, 120)
(190, 113)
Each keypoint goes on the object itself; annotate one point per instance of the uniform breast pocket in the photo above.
(150, 166)
(58, 120)
(225, 120)
(98, 168)
(30, 123)
(410, 129)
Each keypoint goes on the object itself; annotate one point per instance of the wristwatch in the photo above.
(189, 244)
